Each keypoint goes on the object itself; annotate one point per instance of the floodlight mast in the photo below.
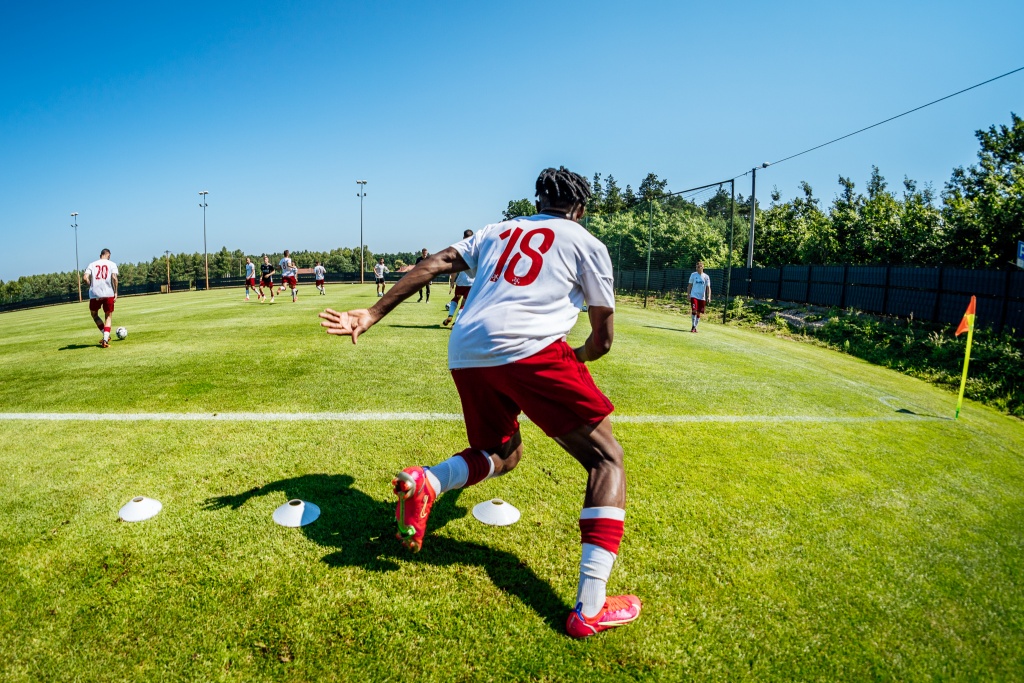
(362, 193)
(77, 269)
(206, 254)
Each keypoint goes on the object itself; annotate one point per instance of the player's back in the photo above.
(532, 276)
(101, 274)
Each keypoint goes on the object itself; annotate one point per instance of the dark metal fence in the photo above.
(936, 294)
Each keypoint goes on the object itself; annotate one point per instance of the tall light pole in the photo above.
(362, 193)
(753, 213)
(206, 254)
(167, 254)
(77, 271)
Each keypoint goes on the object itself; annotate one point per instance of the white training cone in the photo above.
(496, 512)
(140, 508)
(296, 513)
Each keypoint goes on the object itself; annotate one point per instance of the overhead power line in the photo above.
(892, 118)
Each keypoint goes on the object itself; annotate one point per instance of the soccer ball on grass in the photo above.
(121, 332)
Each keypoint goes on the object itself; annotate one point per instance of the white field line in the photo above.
(432, 417)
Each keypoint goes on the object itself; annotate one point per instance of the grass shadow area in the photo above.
(359, 532)
(75, 347)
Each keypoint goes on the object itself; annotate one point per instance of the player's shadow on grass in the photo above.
(360, 532)
(74, 347)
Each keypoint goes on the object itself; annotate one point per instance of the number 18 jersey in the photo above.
(532, 276)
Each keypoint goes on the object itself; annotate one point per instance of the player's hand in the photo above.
(350, 323)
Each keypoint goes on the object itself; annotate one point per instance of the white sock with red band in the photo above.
(601, 531)
(463, 469)
(106, 334)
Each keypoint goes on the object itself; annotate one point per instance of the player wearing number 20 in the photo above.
(508, 354)
(101, 276)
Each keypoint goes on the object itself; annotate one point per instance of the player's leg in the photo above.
(558, 393)
(428, 292)
(294, 284)
(601, 528)
(108, 309)
(693, 314)
(495, 448)
(700, 310)
(94, 310)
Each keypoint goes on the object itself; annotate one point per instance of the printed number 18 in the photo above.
(535, 254)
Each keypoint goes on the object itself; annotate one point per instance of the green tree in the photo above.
(596, 197)
(983, 205)
(613, 202)
(519, 207)
(652, 189)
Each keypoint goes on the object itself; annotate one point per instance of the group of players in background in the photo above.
(289, 277)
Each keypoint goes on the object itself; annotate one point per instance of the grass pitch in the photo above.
(814, 518)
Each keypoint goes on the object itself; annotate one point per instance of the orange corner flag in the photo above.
(966, 325)
(968, 322)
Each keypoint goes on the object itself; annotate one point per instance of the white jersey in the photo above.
(464, 279)
(319, 272)
(288, 268)
(250, 270)
(535, 273)
(379, 269)
(700, 286)
(101, 274)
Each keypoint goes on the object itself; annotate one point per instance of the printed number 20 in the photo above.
(101, 272)
(535, 254)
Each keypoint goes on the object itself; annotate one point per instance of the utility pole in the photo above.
(362, 193)
(206, 254)
(78, 272)
(167, 254)
(753, 213)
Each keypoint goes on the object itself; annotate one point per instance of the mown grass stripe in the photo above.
(433, 417)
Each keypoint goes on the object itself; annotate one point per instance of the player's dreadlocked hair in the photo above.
(562, 188)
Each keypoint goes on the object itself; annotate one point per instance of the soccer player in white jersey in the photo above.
(319, 273)
(379, 271)
(289, 275)
(699, 291)
(462, 282)
(250, 277)
(508, 354)
(101, 276)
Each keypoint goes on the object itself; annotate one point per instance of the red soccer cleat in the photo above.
(618, 610)
(415, 498)
(104, 344)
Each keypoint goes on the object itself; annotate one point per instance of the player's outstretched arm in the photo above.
(355, 322)
(602, 331)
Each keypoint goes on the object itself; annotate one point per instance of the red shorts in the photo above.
(697, 306)
(250, 282)
(267, 281)
(461, 293)
(552, 387)
(289, 280)
(319, 283)
(107, 303)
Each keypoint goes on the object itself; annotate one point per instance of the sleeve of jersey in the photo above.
(469, 250)
(597, 279)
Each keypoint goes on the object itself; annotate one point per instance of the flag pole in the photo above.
(963, 379)
(966, 325)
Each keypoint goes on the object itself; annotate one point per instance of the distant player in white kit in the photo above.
(289, 275)
(250, 276)
(101, 276)
(508, 354)
(379, 271)
(699, 291)
(462, 284)
(319, 274)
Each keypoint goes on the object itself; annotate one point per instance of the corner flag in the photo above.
(966, 325)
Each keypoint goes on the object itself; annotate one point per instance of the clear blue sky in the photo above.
(123, 112)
